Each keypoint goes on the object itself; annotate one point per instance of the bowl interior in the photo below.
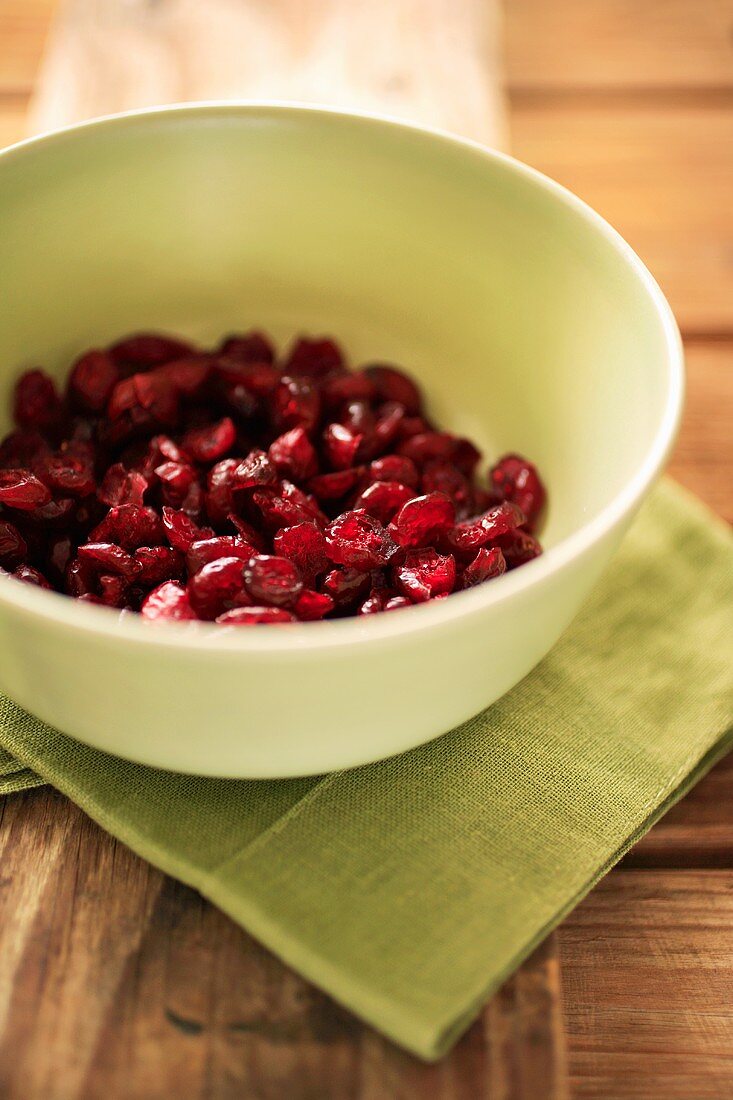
(526, 321)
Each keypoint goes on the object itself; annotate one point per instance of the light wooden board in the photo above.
(115, 981)
(24, 26)
(647, 966)
(611, 45)
(662, 176)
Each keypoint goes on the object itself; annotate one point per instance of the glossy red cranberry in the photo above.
(204, 484)
(359, 541)
(30, 575)
(296, 403)
(517, 480)
(203, 551)
(108, 558)
(159, 564)
(168, 601)
(395, 468)
(255, 616)
(212, 442)
(486, 565)
(149, 349)
(270, 579)
(218, 587)
(13, 547)
(305, 545)
(314, 357)
(293, 455)
(382, 499)
(392, 385)
(423, 518)
(426, 574)
(92, 380)
(22, 490)
(311, 605)
(122, 486)
(254, 347)
(37, 403)
(255, 471)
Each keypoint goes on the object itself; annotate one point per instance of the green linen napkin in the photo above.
(410, 889)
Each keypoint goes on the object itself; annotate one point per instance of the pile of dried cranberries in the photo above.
(227, 486)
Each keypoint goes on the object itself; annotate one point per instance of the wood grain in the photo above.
(121, 982)
(647, 964)
(662, 177)
(432, 61)
(24, 26)
(609, 45)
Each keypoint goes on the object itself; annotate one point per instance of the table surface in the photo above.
(116, 980)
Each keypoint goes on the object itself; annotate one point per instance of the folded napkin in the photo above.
(410, 889)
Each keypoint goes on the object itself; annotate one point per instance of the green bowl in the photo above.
(530, 323)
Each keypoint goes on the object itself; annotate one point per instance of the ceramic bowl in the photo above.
(531, 325)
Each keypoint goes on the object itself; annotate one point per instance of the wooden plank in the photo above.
(703, 457)
(663, 178)
(390, 55)
(23, 28)
(697, 832)
(13, 120)
(120, 982)
(619, 44)
(647, 963)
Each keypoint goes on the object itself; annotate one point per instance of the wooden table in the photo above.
(117, 981)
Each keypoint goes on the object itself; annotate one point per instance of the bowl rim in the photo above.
(129, 626)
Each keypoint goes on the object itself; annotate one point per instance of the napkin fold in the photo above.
(410, 889)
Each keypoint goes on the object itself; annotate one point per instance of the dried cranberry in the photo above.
(255, 471)
(168, 601)
(358, 540)
(113, 589)
(486, 565)
(339, 389)
(149, 349)
(311, 605)
(218, 587)
(270, 579)
(517, 480)
(346, 587)
(22, 490)
(422, 518)
(203, 551)
(92, 380)
(426, 574)
(158, 564)
(71, 471)
(254, 347)
(476, 532)
(30, 575)
(304, 544)
(314, 357)
(440, 475)
(383, 499)
(122, 486)
(176, 478)
(293, 455)
(397, 602)
(13, 547)
(519, 547)
(212, 442)
(335, 485)
(340, 445)
(296, 403)
(130, 526)
(80, 578)
(395, 468)
(110, 558)
(221, 485)
(37, 404)
(180, 529)
(392, 385)
(254, 616)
